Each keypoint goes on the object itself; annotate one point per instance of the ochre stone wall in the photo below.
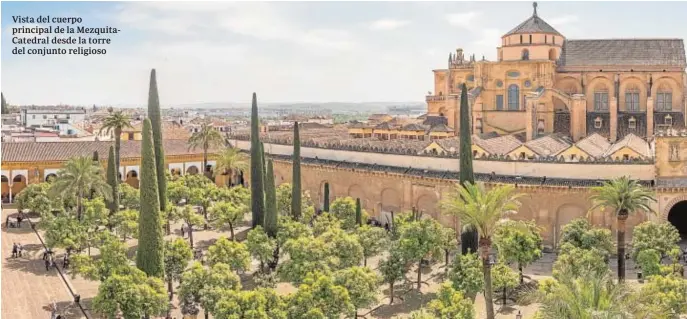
(380, 193)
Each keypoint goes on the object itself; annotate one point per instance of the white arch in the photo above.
(22, 172)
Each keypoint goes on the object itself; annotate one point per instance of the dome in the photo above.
(534, 24)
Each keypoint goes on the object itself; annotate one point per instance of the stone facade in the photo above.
(544, 83)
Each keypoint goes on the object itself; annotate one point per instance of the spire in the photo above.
(534, 5)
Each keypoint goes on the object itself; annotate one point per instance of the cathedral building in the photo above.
(545, 83)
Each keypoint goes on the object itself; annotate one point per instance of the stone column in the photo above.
(578, 117)
(649, 117)
(614, 119)
(530, 118)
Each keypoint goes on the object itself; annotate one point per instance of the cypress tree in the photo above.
(264, 167)
(4, 104)
(296, 178)
(150, 254)
(256, 188)
(468, 237)
(114, 184)
(156, 123)
(270, 202)
(326, 197)
(358, 212)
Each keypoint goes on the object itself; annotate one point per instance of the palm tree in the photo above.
(207, 137)
(230, 159)
(592, 296)
(78, 177)
(483, 210)
(115, 122)
(624, 196)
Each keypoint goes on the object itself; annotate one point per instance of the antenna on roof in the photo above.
(534, 5)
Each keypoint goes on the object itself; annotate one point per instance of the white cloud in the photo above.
(388, 24)
(562, 20)
(465, 20)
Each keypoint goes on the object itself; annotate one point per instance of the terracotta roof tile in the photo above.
(62, 151)
(633, 142)
(595, 145)
(548, 145)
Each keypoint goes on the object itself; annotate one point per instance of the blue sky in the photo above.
(292, 52)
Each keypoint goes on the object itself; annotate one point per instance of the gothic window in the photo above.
(664, 99)
(601, 100)
(525, 54)
(668, 120)
(632, 123)
(513, 97)
(499, 102)
(632, 99)
(598, 122)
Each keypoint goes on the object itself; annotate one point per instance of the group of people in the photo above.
(17, 250)
(16, 223)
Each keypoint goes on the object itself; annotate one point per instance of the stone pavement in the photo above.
(27, 289)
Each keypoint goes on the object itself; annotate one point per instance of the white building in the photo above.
(52, 118)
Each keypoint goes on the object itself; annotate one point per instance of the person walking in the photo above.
(47, 265)
(14, 250)
(20, 249)
(183, 230)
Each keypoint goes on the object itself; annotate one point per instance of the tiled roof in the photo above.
(62, 151)
(595, 145)
(452, 175)
(356, 124)
(414, 127)
(449, 144)
(632, 141)
(549, 145)
(383, 126)
(440, 128)
(534, 24)
(498, 145)
(432, 120)
(663, 52)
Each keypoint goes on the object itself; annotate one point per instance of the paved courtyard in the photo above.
(27, 289)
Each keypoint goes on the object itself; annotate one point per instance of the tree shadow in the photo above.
(68, 309)
(412, 300)
(24, 229)
(33, 266)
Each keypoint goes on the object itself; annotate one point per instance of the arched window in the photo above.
(521, 38)
(513, 97)
(598, 122)
(552, 54)
(546, 39)
(668, 120)
(632, 99)
(664, 99)
(530, 38)
(525, 54)
(601, 99)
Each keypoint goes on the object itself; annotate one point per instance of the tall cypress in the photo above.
(150, 254)
(296, 178)
(358, 212)
(4, 104)
(156, 122)
(264, 167)
(113, 182)
(256, 188)
(326, 197)
(270, 202)
(468, 236)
